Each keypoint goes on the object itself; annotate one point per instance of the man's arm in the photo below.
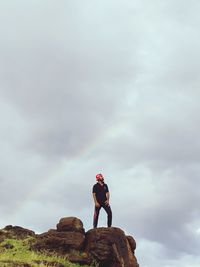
(107, 198)
(95, 200)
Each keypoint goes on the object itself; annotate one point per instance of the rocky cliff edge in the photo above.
(106, 247)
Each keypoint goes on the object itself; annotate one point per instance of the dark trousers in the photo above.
(108, 210)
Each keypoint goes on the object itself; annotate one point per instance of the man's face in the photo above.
(101, 180)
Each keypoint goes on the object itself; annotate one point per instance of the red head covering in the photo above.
(99, 176)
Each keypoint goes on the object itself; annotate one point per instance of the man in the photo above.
(101, 199)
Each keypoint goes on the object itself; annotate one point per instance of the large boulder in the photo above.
(69, 236)
(110, 247)
(60, 242)
(70, 224)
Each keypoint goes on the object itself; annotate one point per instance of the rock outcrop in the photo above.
(15, 232)
(107, 247)
(69, 235)
(110, 247)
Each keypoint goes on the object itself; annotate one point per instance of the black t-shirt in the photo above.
(100, 191)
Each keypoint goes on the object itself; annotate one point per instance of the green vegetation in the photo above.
(14, 252)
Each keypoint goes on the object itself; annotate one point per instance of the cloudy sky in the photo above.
(103, 86)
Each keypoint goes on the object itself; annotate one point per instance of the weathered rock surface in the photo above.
(109, 247)
(70, 224)
(15, 232)
(132, 243)
(59, 241)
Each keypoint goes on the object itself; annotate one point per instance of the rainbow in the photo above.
(71, 164)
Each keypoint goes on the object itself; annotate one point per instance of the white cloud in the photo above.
(108, 87)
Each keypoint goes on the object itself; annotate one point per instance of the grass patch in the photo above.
(14, 252)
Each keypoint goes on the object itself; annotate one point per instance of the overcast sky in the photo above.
(103, 86)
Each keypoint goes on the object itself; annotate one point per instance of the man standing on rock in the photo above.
(101, 199)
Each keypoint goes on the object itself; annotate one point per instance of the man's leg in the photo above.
(109, 214)
(96, 216)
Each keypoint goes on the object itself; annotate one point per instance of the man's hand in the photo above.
(107, 202)
(97, 204)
